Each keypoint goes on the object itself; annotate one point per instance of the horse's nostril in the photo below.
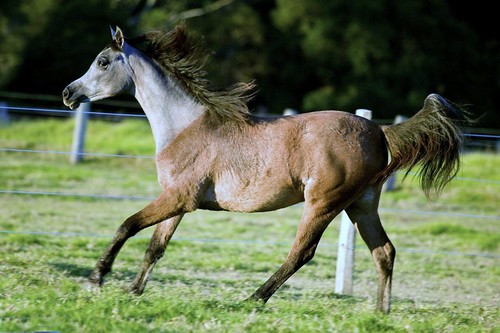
(65, 93)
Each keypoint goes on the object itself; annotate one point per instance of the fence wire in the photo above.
(127, 197)
(239, 242)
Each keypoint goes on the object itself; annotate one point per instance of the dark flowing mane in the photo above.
(179, 56)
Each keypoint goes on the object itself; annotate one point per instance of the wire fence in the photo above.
(242, 242)
(93, 114)
(31, 111)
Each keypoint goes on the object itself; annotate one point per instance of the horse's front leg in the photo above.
(157, 245)
(162, 208)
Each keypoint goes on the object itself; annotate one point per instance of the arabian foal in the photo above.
(211, 153)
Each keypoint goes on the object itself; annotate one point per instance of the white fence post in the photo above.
(290, 112)
(81, 116)
(347, 237)
(391, 181)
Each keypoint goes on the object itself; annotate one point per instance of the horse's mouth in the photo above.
(75, 103)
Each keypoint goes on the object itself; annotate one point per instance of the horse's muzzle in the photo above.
(69, 98)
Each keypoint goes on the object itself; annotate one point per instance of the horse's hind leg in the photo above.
(157, 245)
(363, 213)
(311, 228)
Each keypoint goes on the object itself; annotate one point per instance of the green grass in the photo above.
(447, 271)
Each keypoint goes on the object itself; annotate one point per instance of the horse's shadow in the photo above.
(82, 272)
(72, 270)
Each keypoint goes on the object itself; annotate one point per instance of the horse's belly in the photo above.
(256, 197)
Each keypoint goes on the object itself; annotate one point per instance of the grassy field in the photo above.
(447, 272)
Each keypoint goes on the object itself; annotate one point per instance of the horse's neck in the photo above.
(168, 108)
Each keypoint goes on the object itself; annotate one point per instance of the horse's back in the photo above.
(340, 138)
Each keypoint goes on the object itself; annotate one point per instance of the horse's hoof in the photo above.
(255, 300)
(136, 290)
(95, 278)
(91, 287)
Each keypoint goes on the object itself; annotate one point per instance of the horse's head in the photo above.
(109, 75)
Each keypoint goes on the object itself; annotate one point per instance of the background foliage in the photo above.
(383, 55)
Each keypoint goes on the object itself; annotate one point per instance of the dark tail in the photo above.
(432, 140)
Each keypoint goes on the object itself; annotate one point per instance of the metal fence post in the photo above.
(347, 237)
(81, 116)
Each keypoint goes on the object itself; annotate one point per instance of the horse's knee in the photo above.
(130, 227)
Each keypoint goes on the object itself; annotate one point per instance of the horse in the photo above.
(212, 153)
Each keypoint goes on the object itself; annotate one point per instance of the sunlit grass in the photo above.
(446, 273)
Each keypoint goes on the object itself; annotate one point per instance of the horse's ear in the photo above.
(118, 38)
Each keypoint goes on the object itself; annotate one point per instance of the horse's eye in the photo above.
(102, 62)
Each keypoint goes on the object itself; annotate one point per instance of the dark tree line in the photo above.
(383, 55)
